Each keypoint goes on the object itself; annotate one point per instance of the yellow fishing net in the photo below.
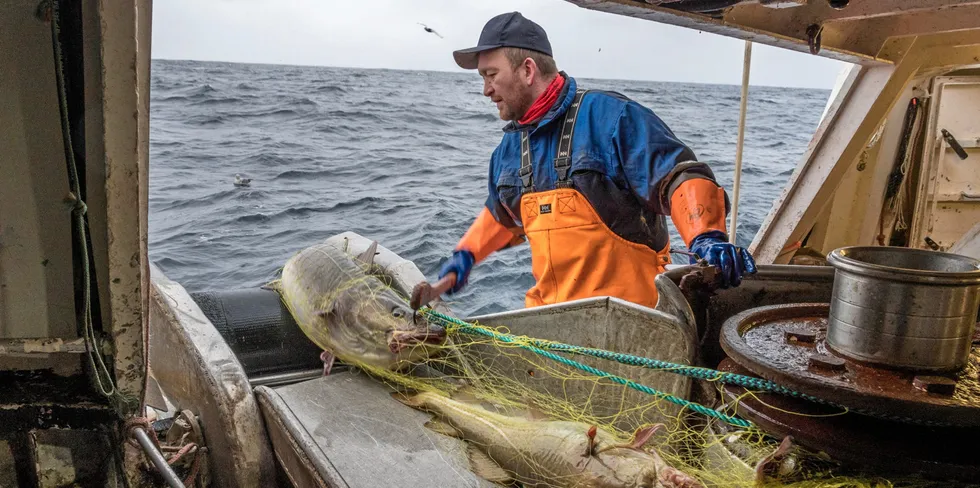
(512, 378)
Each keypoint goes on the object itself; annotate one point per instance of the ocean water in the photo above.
(397, 156)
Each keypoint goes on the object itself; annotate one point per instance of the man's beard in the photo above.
(513, 112)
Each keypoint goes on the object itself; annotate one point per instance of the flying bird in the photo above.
(431, 30)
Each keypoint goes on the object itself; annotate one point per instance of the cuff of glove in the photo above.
(460, 263)
(700, 243)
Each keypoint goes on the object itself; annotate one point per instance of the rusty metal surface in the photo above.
(41, 399)
(870, 443)
(756, 339)
(770, 285)
(46, 345)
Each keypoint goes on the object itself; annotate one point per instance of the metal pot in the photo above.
(904, 308)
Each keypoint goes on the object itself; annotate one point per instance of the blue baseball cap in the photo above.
(505, 30)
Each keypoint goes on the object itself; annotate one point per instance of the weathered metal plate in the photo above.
(346, 430)
(604, 323)
(870, 443)
(757, 339)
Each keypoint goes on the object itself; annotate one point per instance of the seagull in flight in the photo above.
(431, 30)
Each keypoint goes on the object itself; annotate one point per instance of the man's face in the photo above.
(509, 88)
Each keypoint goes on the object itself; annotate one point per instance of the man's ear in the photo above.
(530, 71)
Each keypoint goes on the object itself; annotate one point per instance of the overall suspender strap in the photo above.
(563, 161)
(525, 171)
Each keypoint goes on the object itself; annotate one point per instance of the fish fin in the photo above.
(532, 410)
(274, 285)
(674, 478)
(328, 359)
(468, 394)
(535, 412)
(643, 434)
(414, 401)
(765, 464)
(485, 467)
(442, 427)
(367, 256)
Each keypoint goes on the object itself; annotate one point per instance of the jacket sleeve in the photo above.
(486, 236)
(665, 174)
(493, 229)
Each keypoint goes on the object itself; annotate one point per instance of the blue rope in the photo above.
(452, 322)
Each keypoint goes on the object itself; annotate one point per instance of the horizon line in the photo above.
(458, 72)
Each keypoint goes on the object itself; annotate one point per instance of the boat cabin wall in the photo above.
(36, 262)
(852, 216)
(859, 212)
(104, 62)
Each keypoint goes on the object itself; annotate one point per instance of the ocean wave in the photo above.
(218, 101)
(363, 201)
(337, 149)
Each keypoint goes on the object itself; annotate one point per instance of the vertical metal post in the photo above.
(746, 67)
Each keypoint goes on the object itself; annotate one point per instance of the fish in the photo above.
(534, 451)
(345, 305)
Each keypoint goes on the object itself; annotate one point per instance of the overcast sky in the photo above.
(386, 34)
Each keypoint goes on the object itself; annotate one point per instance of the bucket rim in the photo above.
(841, 259)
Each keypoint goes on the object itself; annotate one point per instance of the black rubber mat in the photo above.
(260, 330)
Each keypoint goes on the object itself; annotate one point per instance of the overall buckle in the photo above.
(562, 165)
(525, 174)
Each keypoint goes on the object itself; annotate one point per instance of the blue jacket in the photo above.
(625, 161)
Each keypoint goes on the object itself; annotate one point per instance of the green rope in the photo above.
(680, 369)
(99, 369)
(452, 322)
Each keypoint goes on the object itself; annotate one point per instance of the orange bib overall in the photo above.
(574, 254)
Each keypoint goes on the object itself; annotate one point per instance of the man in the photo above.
(587, 179)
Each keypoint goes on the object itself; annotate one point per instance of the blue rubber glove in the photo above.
(732, 261)
(461, 263)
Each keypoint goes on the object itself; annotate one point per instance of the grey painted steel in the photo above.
(197, 371)
(605, 323)
(901, 307)
(156, 457)
(345, 430)
(288, 378)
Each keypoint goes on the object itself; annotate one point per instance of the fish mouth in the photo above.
(399, 340)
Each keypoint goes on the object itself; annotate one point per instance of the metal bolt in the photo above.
(800, 335)
(826, 362)
(935, 384)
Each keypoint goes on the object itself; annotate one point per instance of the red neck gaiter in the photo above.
(544, 102)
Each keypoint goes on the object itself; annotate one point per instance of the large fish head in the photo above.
(383, 328)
